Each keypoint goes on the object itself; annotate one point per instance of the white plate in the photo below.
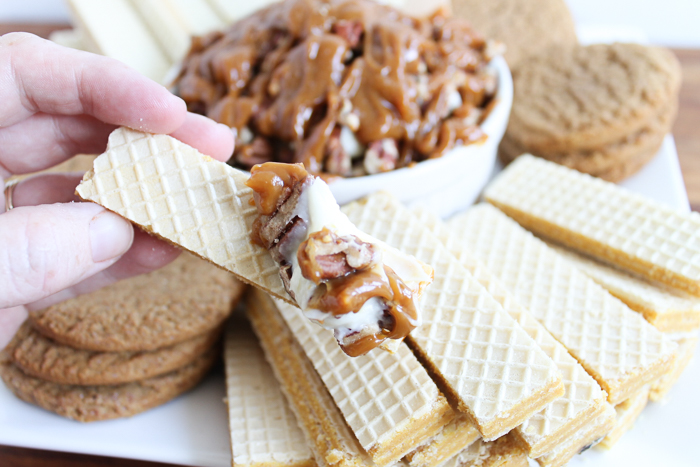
(193, 430)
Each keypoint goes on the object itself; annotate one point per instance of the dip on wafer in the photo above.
(343, 279)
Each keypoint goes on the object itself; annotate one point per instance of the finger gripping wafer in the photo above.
(174, 192)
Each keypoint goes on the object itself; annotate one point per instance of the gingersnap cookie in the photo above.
(185, 299)
(526, 27)
(43, 358)
(587, 97)
(612, 162)
(93, 403)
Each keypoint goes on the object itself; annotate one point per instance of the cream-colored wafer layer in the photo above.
(601, 219)
(613, 343)
(174, 192)
(626, 413)
(326, 432)
(503, 452)
(114, 29)
(581, 441)
(668, 310)
(684, 355)
(263, 429)
(459, 434)
(482, 359)
(387, 399)
(170, 27)
(233, 10)
(583, 398)
(72, 38)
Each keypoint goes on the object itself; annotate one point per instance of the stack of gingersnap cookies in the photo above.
(602, 109)
(125, 348)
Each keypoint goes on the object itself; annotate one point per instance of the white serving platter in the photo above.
(193, 430)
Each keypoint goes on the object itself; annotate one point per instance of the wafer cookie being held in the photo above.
(603, 220)
(286, 236)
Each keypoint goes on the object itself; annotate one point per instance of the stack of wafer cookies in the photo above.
(602, 109)
(125, 348)
(516, 340)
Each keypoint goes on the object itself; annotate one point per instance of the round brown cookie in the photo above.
(185, 299)
(583, 98)
(43, 358)
(526, 27)
(93, 403)
(613, 162)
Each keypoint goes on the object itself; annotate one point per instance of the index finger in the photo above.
(37, 75)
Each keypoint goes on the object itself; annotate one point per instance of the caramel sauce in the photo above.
(348, 294)
(272, 182)
(286, 72)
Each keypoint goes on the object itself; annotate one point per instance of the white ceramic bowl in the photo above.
(452, 182)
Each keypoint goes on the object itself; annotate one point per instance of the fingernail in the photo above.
(110, 236)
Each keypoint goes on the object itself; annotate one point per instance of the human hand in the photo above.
(58, 102)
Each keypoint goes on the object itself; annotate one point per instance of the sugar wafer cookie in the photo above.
(504, 452)
(684, 355)
(263, 429)
(459, 434)
(483, 360)
(627, 413)
(114, 29)
(583, 400)
(579, 442)
(388, 400)
(326, 431)
(668, 310)
(174, 192)
(602, 220)
(613, 343)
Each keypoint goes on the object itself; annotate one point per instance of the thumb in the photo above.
(44, 249)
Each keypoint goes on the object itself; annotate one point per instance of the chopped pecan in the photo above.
(381, 156)
(349, 30)
(338, 161)
(325, 255)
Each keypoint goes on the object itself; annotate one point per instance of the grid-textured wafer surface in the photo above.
(380, 394)
(602, 219)
(496, 371)
(614, 344)
(174, 192)
(328, 436)
(582, 397)
(263, 428)
(667, 309)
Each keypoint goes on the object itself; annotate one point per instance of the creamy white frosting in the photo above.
(318, 208)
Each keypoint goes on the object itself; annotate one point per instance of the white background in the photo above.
(669, 22)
